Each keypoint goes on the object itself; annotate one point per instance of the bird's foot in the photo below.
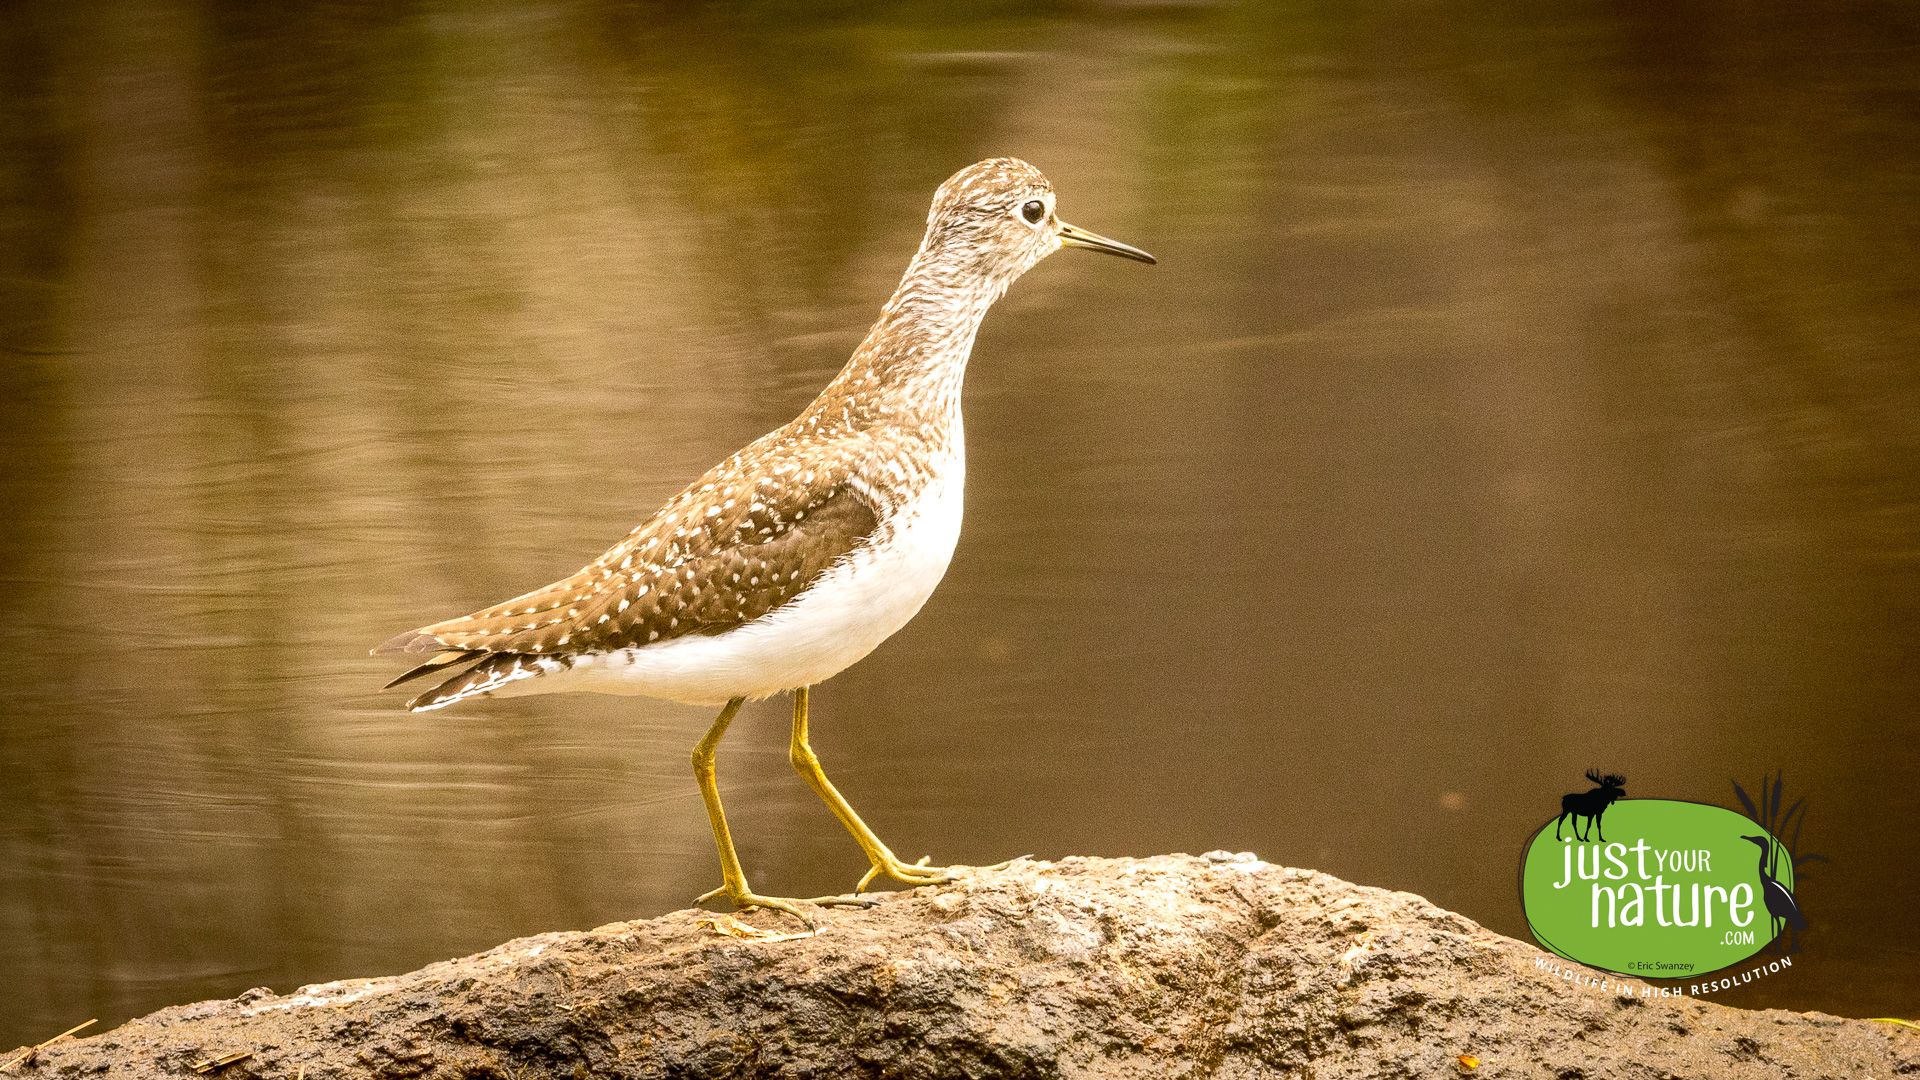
(848, 900)
(918, 873)
(784, 904)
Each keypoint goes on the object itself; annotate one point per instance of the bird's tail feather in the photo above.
(439, 663)
(497, 670)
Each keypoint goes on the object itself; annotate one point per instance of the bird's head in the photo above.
(996, 219)
(1761, 840)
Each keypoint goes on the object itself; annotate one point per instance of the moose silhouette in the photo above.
(1590, 804)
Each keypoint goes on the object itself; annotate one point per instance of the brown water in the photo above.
(1516, 395)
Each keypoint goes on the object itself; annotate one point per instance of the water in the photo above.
(1517, 394)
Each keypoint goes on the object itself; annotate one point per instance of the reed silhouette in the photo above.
(1780, 901)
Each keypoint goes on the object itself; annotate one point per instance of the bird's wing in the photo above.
(734, 546)
(1781, 904)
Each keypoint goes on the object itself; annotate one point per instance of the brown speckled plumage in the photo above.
(727, 550)
(761, 528)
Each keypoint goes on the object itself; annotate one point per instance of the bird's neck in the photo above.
(909, 368)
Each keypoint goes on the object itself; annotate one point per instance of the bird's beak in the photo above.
(1081, 238)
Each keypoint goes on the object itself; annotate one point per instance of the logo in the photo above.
(1681, 889)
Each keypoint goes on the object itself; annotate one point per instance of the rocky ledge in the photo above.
(1175, 966)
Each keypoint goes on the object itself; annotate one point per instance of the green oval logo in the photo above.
(1675, 889)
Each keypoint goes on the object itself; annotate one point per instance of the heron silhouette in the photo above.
(1779, 899)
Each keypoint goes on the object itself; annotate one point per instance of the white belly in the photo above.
(855, 605)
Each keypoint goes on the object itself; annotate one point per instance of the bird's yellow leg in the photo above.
(734, 881)
(884, 861)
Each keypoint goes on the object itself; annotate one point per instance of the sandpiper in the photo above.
(800, 554)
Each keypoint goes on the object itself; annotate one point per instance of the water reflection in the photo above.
(1513, 397)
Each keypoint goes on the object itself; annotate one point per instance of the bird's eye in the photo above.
(1033, 211)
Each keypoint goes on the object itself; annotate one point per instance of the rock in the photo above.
(1176, 966)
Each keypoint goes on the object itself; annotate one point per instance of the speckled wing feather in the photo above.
(733, 546)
